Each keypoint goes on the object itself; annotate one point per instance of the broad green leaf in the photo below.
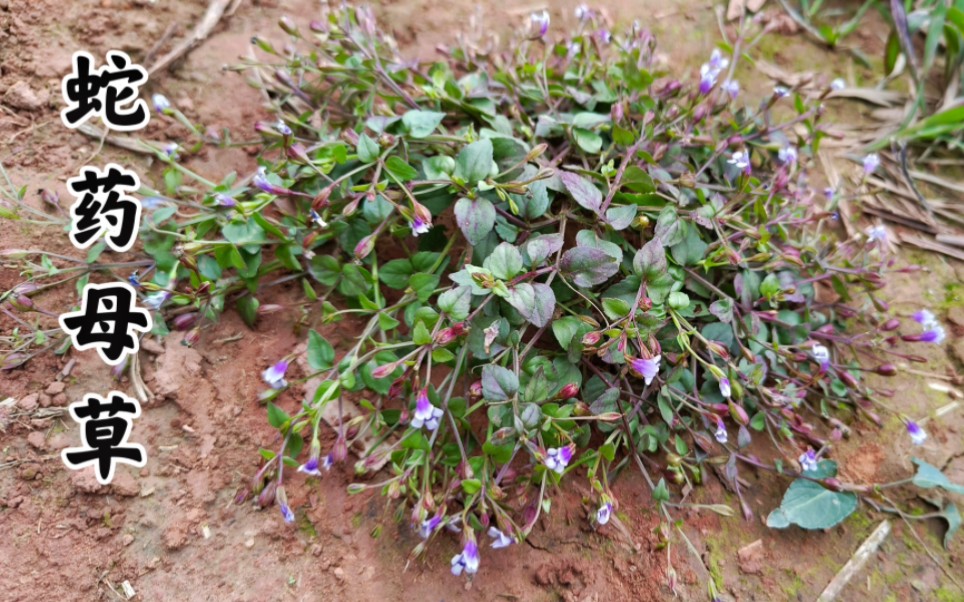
(422, 123)
(929, 476)
(367, 150)
(474, 162)
(456, 302)
(588, 267)
(504, 262)
(402, 171)
(475, 218)
(321, 355)
(535, 302)
(810, 506)
(498, 383)
(582, 191)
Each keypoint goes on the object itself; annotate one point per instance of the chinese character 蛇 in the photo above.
(109, 92)
(103, 207)
(105, 321)
(104, 438)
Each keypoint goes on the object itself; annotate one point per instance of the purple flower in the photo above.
(154, 301)
(573, 49)
(261, 181)
(925, 317)
(429, 526)
(829, 193)
(426, 414)
(604, 513)
(282, 499)
(224, 200)
(170, 149)
(717, 61)
(935, 334)
(725, 387)
(317, 219)
(557, 458)
(288, 515)
(808, 461)
(917, 434)
(500, 539)
(467, 560)
(781, 92)
(419, 226)
(741, 160)
(877, 234)
(161, 103)
(871, 163)
(134, 280)
(787, 155)
(604, 36)
(282, 128)
(275, 375)
(720, 435)
(707, 78)
(540, 21)
(731, 87)
(838, 84)
(645, 368)
(310, 467)
(327, 462)
(583, 12)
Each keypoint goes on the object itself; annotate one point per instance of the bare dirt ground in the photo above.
(173, 529)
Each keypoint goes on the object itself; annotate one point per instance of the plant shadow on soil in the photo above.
(172, 529)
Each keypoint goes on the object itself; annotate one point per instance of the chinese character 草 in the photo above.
(105, 429)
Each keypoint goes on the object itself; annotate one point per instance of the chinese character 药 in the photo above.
(109, 92)
(105, 428)
(105, 321)
(103, 207)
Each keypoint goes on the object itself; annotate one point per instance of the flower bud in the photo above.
(289, 28)
(340, 451)
(591, 338)
(267, 495)
(890, 325)
(739, 414)
(192, 337)
(270, 308)
(365, 246)
(384, 370)
(186, 321)
(475, 390)
(568, 392)
(886, 370)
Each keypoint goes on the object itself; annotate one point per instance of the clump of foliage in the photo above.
(567, 262)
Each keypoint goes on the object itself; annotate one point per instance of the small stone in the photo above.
(127, 540)
(339, 573)
(29, 403)
(37, 440)
(55, 387)
(124, 484)
(60, 400)
(249, 543)
(751, 558)
(85, 481)
(21, 96)
(44, 400)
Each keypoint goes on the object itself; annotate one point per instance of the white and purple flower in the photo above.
(721, 435)
(781, 91)
(787, 154)
(731, 87)
(467, 560)
(808, 461)
(426, 414)
(741, 160)
(155, 300)
(224, 200)
(557, 458)
(838, 84)
(261, 181)
(282, 128)
(171, 150)
(419, 226)
(604, 513)
(917, 434)
(871, 162)
(500, 539)
(429, 526)
(275, 375)
(821, 354)
(709, 72)
(161, 103)
(933, 330)
(877, 233)
(539, 21)
(583, 12)
(725, 389)
(645, 368)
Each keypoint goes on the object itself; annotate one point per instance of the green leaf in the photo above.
(952, 515)
(475, 218)
(567, 328)
(421, 123)
(621, 217)
(474, 162)
(396, 273)
(661, 492)
(615, 308)
(248, 308)
(589, 141)
(535, 302)
(401, 170)
(456, 302)
(321, 355)
(504, 262)
(637, 180)
(471, 486)
(498, 383)
(276, 416)
(650, 260)
(929, 476)
(420, 334)
(539, 248)
(582, 191)
(367, 150)
(810, 506)
(588, 267)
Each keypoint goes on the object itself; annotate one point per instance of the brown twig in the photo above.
(201, 32)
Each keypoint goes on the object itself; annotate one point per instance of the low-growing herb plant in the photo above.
(566, 261)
